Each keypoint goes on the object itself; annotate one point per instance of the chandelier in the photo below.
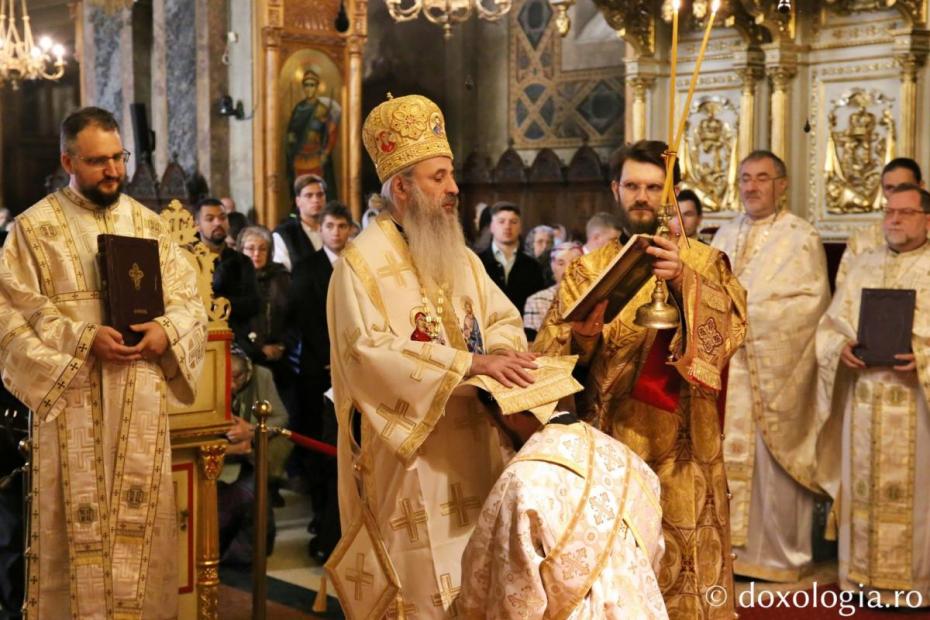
(20, 57)
(447, 13)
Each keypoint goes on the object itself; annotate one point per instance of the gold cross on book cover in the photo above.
(130, 278)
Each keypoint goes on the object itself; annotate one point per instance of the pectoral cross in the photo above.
(358, 576)
(394, 269)
(445, 598)
(395, 417)
(423, 360)
(460, 505)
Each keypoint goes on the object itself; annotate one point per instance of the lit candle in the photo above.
(676, 5)
(714, 7)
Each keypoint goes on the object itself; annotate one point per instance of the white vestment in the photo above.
(875, 450)
(103, 525)
(571, 529)
(770, 426)
(417, 451)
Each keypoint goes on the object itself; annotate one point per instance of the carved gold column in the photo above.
(907, 133)
(747, 109)
(781, 77)
(272, 60)
(356, 44)
(640, 84)
(210, 457)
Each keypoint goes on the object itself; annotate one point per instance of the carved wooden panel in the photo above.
(546, 168)
(585, 166)
(173, 185)
(509, 168)
(144, 186)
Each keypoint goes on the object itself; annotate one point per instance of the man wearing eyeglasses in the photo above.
(874, 452)
(104, 525)
(898, 171)
(770, 430)
(666, 412)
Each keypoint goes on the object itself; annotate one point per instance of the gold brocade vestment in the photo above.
(103, 511)
(682, 446)
(417, 450)
(874, 452)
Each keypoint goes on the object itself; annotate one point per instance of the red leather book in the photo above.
(130, 277)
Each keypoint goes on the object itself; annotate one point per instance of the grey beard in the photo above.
(435, 238)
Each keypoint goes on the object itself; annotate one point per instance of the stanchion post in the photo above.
(261, 410)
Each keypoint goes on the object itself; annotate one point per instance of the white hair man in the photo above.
(412, 314)
(771, 435)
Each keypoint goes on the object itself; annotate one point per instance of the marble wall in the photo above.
(180, 79)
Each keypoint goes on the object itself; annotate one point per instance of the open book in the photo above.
(618, 283)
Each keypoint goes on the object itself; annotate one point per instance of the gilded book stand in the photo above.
(197, 437)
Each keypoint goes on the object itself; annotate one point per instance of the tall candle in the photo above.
(676, 5)
(715, 6)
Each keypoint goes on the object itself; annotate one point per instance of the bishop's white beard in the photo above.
(437, 244)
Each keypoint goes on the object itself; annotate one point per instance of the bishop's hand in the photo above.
(508, 369)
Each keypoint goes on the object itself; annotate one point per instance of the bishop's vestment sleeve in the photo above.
(504, 329)
(41, 350)
(399, 386)
(184, 321)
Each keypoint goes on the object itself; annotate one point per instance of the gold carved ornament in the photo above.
(709, 151)
(179, 225)
(857, 153)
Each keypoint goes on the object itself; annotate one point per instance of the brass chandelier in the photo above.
(447, 13)
(22, 58)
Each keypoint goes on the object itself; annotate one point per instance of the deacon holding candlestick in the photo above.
(659, 391)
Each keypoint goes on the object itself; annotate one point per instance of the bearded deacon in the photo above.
(417, 454)
(770, 428)
(874, 452)
(103, 512)
(657, 390)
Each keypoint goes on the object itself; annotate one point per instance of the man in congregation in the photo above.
(874, 452)
(601, 229)
(572, 528)
(307, 301)
(299, 235)
(770, 431)
(518, 274)
(234, 275)
(103, 502)
(666, 412)
(691, 214)
(896, 172)
(412, 314)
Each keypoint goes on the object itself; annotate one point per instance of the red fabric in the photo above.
(312, 444)
(658, 384)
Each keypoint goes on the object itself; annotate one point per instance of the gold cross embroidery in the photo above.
(445, 598)
(574, 564)
(394, 269)
(409, 520)
(135, 496)
(602, 508)
(395, 417)
(136, 275)
(709, 336)
(409, 609)
(423, 359)
(610, 456)
(459, 505)
(350, 344)
(358, 576)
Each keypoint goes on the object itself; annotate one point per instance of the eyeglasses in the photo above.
(103, 160)
(761, 179)
(654, 190)
(888, 213)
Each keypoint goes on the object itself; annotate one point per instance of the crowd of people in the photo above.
(494, 458)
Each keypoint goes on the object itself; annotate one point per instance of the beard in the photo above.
(434, 235)
(638, 226)
(101, 198)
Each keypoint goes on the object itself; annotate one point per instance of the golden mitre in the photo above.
(403, 131)
(553, 382)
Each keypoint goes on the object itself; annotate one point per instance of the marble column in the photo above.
(907, 131)
(180, 82)
(241, 145)
(106, 67)
(159, 108)
(212, 83)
